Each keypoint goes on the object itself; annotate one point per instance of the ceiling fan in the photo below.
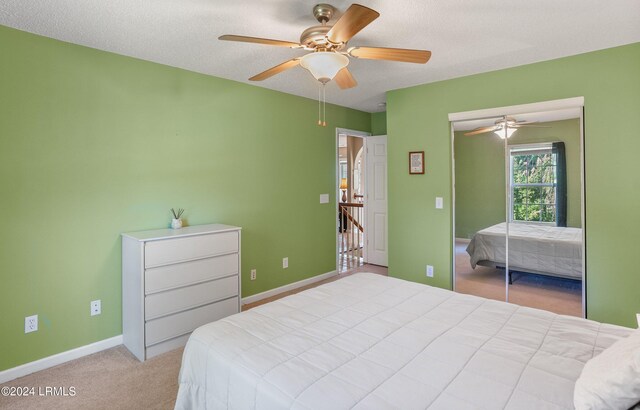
(505, 127)
(329, 55)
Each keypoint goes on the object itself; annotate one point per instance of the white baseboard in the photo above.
(463, 240)
(285, 288)
(56, 359)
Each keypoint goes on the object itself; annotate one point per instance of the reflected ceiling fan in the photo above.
(505, 127)
(329, 55)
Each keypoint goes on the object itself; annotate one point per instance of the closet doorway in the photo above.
(518, 190)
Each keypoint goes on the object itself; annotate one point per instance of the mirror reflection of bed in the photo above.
(526, 181)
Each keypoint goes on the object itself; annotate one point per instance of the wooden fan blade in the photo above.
(352, 21)
(275, 70)
(393, 54)
(482, 130)
(258, 40)
(345, 79)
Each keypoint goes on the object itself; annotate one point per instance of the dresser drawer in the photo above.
(167, 345)
(168, 327)
(177, 300)
(167, 251)
(188, 273)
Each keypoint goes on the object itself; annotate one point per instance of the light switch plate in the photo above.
(439, 202)
(324, 198)
(429, 271)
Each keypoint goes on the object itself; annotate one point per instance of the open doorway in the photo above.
(361, 206)
(351, 217)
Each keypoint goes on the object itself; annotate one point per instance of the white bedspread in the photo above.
(372, 342)
(550, 250)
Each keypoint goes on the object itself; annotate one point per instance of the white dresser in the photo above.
(175, 280)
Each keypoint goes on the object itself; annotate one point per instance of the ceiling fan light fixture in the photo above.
(500, 132)
(324, 65)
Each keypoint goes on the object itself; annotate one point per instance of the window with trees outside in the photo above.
(533, 183)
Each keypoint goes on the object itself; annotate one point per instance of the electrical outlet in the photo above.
(285, 263)
(96, 307)
(31, 324)
(253, 274)
(429, 271)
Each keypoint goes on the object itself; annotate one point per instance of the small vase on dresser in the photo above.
(175, 280)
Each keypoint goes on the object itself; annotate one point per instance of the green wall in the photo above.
(95, 144)
(379, 123)
(480, 182)
(480, 174)
(417, 118)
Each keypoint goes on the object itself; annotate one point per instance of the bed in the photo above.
(541, 249)
(371, 341)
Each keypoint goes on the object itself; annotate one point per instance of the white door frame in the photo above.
(552, 105)
(355, 133)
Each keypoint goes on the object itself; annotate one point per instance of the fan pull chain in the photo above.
(319, 104)
(324, 106)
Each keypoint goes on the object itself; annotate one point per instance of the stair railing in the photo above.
(351, 215)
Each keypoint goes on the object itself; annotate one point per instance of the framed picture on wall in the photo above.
(416, 162)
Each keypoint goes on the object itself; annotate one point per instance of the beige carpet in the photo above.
(556, 295)
(115, 379)
(112, 379)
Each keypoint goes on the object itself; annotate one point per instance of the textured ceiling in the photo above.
(465, 36)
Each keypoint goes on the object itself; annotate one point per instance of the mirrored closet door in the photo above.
(480, 203)
(545, 212)
(518, 209)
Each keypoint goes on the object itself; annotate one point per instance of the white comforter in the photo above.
(370, 341)
(550, 250)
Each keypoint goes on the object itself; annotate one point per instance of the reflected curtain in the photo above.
(561, 185)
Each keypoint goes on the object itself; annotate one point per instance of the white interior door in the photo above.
(376, 200)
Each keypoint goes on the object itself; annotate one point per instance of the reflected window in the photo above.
(534, 183)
